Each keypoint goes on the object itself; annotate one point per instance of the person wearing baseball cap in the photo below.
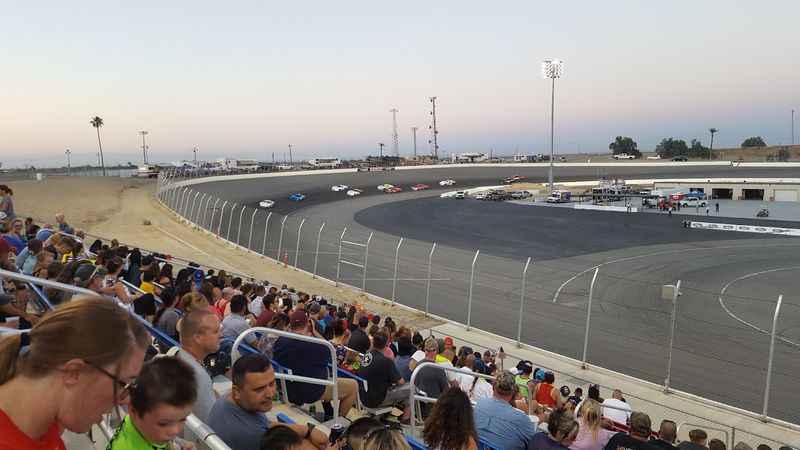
(310, 359)
(498, 422)
(525, 368)
(638, 437)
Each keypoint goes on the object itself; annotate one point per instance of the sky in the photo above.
(246, 78)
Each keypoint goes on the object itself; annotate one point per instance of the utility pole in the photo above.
(711, 147)
(414, 134)
(434, 131)
(69, 165)
(380, 144)
(273, 158)
(792, 126)
(194, 150)
(290, 155)
(395, 138)
(144, 146)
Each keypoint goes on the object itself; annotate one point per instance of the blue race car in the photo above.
(297, 197)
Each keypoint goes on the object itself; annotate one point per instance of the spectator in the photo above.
(192, 301)
(267, 310)
(742, 446)
(27, 260)
(267, 343)
(762, 447)
(638, 437)
(44, 259)
(404, 351)
(7, 202)
(716, 444)
(160, 401)
(147, 285)
(616, 409)
(89, 276)
(344, 356)
(430, 380)
(15, 236)
(523, 378)
(667, 433)
(113, 287)
(199, 332)
(166, 318)
(697, 441)
(235, 323)
(562, 431)
(358, 430)
(499, 422)
(83, 356)
(540, 417)
(386, 438)
(476, 387)
(451, 423)
(256, 306)
(239, 419)
(311, 359)
(591, 436)
(359, 341)
(576, 397)
(385, 385)
(546, 394)
(63, 226)
(165, 275)
(283, 437)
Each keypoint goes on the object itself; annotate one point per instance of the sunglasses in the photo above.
(121, 388)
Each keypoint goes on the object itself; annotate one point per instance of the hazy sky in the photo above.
(246, 78)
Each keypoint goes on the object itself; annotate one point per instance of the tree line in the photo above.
(671, 147)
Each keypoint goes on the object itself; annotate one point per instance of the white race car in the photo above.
(385, 186)
(340, 187)
(354, 192)
(447, 182)
(266, 203)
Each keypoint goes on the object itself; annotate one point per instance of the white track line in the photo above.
(744, 322)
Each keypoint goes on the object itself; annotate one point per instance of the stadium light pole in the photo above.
(69, 165)
(713, 131)
(792, 126)
(552, 69)
(194, 150)
(144, 133)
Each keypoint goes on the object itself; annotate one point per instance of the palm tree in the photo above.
(97, 122)
(711, 147)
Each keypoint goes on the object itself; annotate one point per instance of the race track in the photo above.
(721, 352)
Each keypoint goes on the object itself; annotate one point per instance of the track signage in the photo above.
(745, 228)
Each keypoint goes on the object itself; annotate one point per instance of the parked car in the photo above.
(340, 187)
(447, 182)
(146, 171)
(266, 203)
(297, 197)
(460, 195)
(354, 192)
(384, 186)
(692, 201)
(559, 197)
(517, 195)
(419, 187)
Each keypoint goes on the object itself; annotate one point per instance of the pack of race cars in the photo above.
(355, 192)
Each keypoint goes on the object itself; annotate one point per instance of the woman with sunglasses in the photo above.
(75, 365)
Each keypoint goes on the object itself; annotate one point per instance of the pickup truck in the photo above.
(623, 156)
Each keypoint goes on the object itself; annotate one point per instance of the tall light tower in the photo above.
(144, 146)
(69, 164)
(395, 137)
(380, 144)
(414, 138)
(434, 141)
(291, 163)
(713, 131)
(194, 150)
(552, 68)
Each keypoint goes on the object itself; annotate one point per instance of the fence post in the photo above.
(771, 355)
(213, 209)
(316, 252)
(230, 223)
(197, 214)
(522, 302)
(339, 258)
(176, 194)
(221, 212)
(396, 261)
(185, 202)
(297, 247)
(179, 205)
(471, 282)
(280, 240)
(264, 242)
(252, 220)
(588, 318)
(675, 295)
(366, 258)
(428, 287)
(205, 212)
(239, 233)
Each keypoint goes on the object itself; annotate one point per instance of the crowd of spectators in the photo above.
(89, 355)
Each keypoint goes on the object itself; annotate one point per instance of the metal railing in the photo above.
(235, 354)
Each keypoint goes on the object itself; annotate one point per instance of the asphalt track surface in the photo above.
(720, 350)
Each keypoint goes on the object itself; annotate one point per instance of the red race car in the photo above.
(394, 190)
(420, 187)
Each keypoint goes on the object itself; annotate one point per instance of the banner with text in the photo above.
(745, 228)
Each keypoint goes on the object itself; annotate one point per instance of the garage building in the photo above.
(761, 189)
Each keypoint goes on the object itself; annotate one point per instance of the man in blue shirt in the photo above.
(499, 422)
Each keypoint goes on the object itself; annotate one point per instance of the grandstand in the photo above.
(136, 279)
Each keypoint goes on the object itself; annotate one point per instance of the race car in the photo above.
(385, 186)
(393, 190)
(354, 192)
(297, 197)
(420, 187)
(514, 179)
(266, 203)
(340, 187)
(447, 182)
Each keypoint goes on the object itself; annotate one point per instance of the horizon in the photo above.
(247, 82)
